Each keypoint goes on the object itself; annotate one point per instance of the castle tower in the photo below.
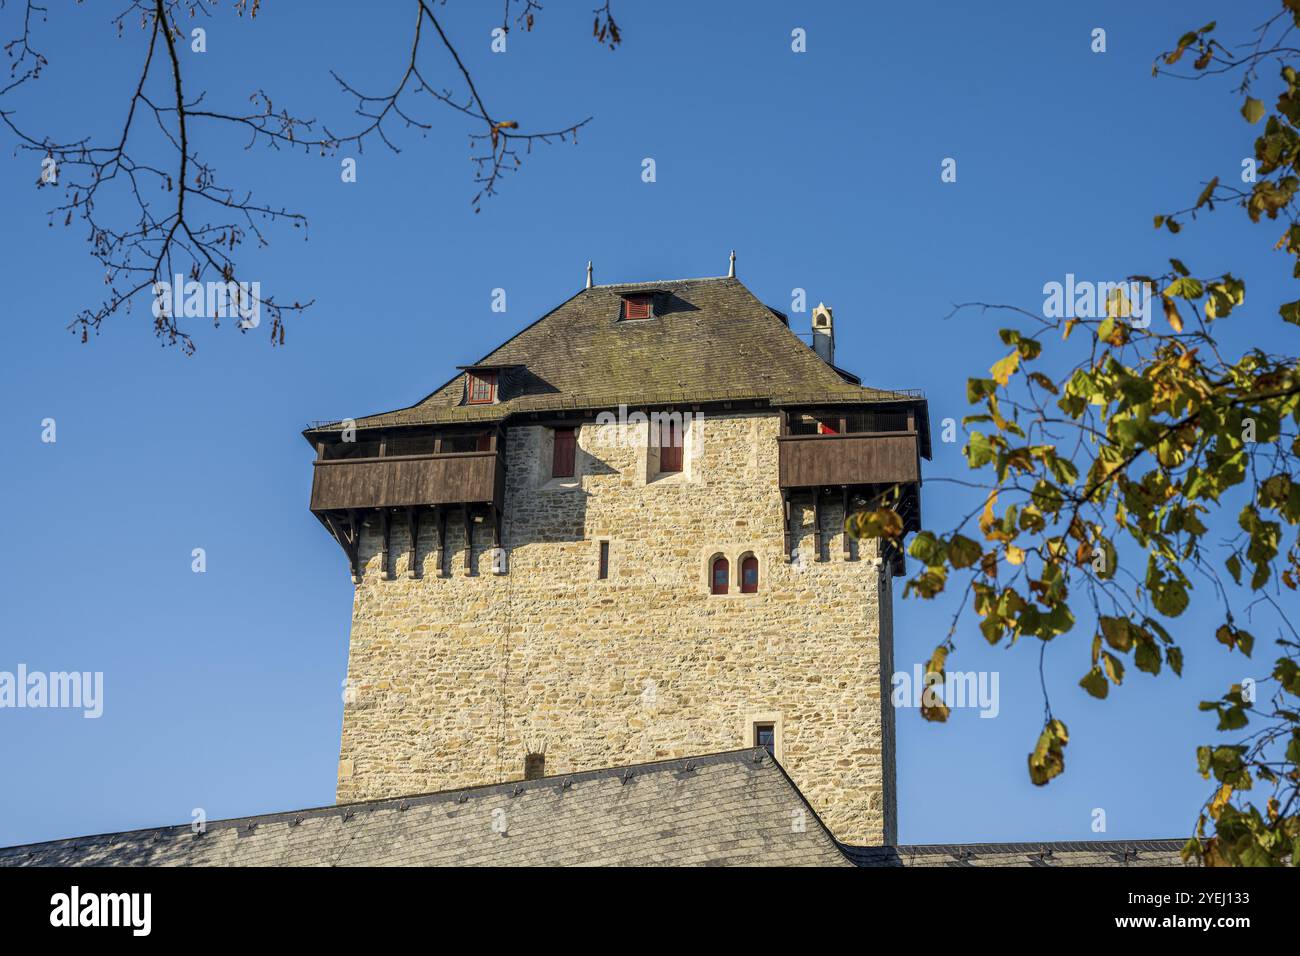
(618, 538)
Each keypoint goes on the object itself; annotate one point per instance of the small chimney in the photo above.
(823, 333)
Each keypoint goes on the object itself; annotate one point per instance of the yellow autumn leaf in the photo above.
(1003, 369)
(1171, 313)
(987, 519)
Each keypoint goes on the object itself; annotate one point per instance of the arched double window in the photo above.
(749, 574)
(720, 575)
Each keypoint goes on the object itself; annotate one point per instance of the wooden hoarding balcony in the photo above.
(472, 477)
(856, 458)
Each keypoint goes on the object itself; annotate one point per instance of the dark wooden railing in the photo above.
(472, 477)
(857, 458)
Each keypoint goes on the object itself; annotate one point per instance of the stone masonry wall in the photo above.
(454, 676)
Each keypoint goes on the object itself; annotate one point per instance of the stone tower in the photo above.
(618, 538)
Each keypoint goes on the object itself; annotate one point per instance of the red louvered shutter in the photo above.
(636, 307)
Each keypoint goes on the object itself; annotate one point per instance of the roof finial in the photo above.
(731, 270)
(588, 273)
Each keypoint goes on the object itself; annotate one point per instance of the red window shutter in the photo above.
(721, 575)
(670, 445)
(636, 307)
(826, 429)
(565, 451)
(749, 575)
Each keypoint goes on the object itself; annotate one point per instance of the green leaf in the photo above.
(1206, 194)
(1114, 667)
(1094, 682)
(1170, 598)
(963, 552)
(1185, 287)
(1118, 633)
(1048, 758)
(1147, 657)
(1253, 110)
(979, 451)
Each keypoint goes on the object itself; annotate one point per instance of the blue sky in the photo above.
(821, 169)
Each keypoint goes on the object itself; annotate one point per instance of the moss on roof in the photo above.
(710, 340)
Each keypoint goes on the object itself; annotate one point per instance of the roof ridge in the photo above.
(658, 282)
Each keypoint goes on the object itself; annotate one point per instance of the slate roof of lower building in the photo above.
(737, 809)
(730, 809)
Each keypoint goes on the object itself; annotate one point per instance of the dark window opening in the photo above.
(418, 445)
(749, 575)
(837, 422)
(459, 444)
(562, 461)
(352, 449)
(637, 306)
(482, 387)
(604, 560)
(534, 766)
(670, 445)
(721, 574)
(765, 737)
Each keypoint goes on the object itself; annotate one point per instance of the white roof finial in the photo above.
(731, 270)
(588, 273)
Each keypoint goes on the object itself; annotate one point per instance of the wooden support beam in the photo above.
(786, 523)
(353, 543)
(817, 523)
(413, 529)
(498, 555)
(384, 530)
(469, 540)
(442, 539)
(848, 543)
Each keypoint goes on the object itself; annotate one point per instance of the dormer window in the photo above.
(638, 306)
(482, 387)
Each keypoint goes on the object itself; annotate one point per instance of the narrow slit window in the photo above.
(721, 575)
(749, 575)
(562, 461)
(604, 560)
(670, 444)
(534, 766)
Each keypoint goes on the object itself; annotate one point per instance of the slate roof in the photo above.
(732, 809)
(1077, 853)
(711, 340)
